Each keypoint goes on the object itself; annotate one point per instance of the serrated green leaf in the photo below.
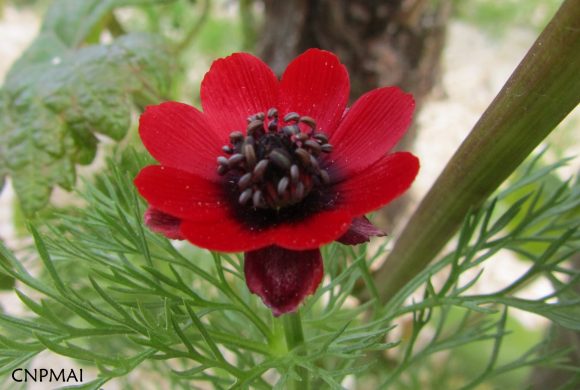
(58, 96)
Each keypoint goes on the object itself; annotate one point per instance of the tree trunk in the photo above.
(381, 42)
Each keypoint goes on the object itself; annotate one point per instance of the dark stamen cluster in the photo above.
(275, 166)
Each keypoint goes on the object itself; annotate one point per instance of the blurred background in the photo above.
(454, 56)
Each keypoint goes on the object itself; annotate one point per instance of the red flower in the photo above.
(275, 168)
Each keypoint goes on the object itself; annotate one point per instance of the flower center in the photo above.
(274, 165)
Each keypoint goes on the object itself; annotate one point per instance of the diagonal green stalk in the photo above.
(294, 334)
(543, 89)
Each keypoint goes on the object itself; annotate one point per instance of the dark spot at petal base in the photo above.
(281, 277)
(163, 223)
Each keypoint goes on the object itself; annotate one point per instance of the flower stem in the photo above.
(295, 338)
(543, 89)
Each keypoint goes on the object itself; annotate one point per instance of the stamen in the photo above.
(245, 196)
(302, 137)
(304, 156)
(235, 160)
(278, 157)
(275, 166)
(326, 148)
(254, 125)
(260, 169)
(245, 181)
(291, 117)
(314, 146)
(236, 137)
(250, 155)
(294, 173)
(308, 121)
(323, 139)
(282, 185)
(257, 199)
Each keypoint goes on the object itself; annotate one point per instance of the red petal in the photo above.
(317, 230)
(229, 235)
(283, 278)
(378, 185)
(180, 194)
(372, 126)
(360, 231)
(316, 84)
(236, 87)
(179, 136)
(163, 223)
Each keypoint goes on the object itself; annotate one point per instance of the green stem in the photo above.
(543, 89)
(294, 339)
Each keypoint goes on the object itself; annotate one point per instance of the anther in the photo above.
(235, 160)
(324, 176)
(290, 130)
(278, 157)
(245, 181)
(294, 173)
(254, 125)
(298, 193)
(315, 146)
(291, 117)
(222, 160)
(250, 155)
(273, 125)
(302, 137)
(326, 148)
(272, 113)
(259, 170)
(314, 163)
(303, 155)
(236, 136)
(245, 196)
(321, 137)
(259, 116)
(283, 185)
(221, 170)
(227, 149)
(308, 121)
(257, 199)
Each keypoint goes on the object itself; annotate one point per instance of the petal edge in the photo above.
(283, 278)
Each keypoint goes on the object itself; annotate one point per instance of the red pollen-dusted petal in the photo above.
(372, 126)
(226, 235)
(163, 223)
(316, 84)
(236, 87)
(179, 136)
(230, 235)
(317, 230)
(361, 230)
(180, 194)
(379, 184)
(283, 278)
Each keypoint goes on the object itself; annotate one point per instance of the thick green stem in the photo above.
(543, 89)
(294, 339)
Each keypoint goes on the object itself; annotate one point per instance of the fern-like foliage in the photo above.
(111, 294)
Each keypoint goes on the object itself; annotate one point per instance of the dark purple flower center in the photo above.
(275, 166)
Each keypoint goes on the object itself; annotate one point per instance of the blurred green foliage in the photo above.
(497, 17)
(61, 93)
